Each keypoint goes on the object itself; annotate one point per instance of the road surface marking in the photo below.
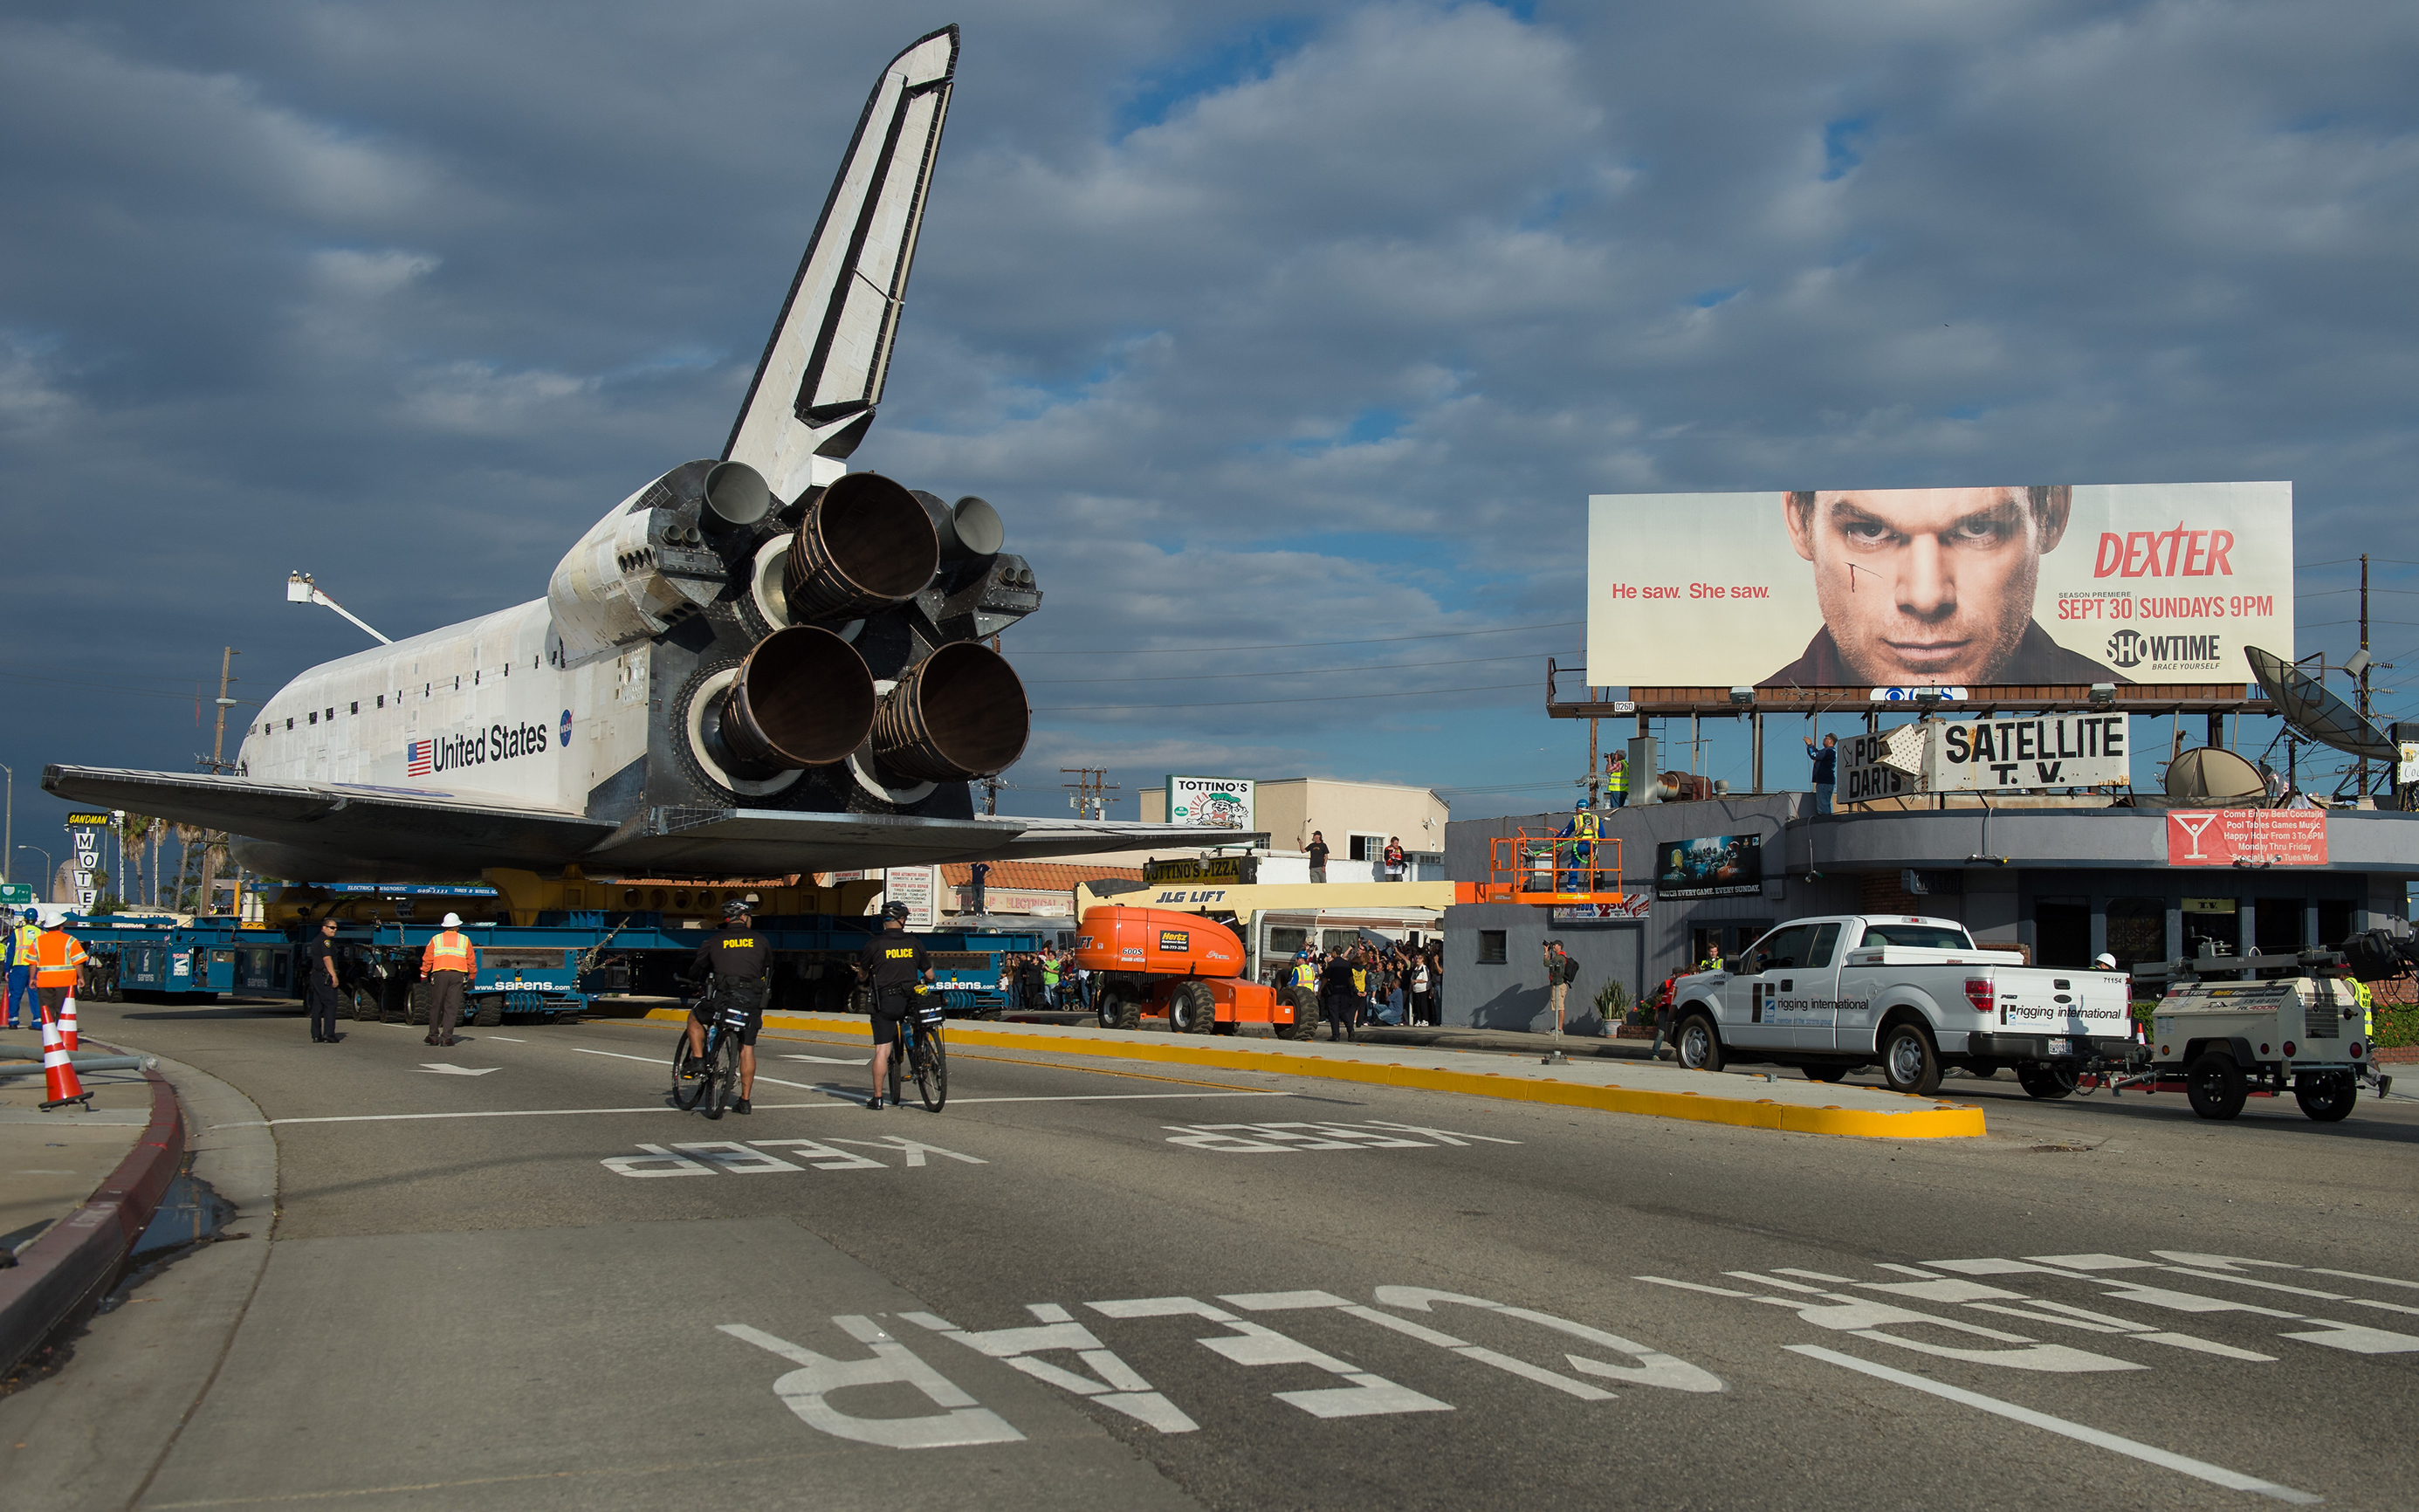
(506, 1038)
(806, 1392)
(659, 1060)
(1250, 1344)
(1867, 1318)
(914, 1149)
(2356, 1338)
(829, 1060)
(1289, 1137)
(838, 1099)
(1120, 1387)
(1263, 1301)
(441, 1069)
(1654, 1367)
(827, 1158)
(732, 1158)
(2166, 1459)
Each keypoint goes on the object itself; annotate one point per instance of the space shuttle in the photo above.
(758, 663)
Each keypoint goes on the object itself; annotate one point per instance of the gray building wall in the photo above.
(1994, 873)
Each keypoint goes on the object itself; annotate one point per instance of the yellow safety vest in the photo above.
(1617, 780)
(1583, 824)
(26, 935)
(1305, 975)
(449, 951)
(2367, 1008)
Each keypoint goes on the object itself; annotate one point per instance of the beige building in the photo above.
(1356, 818)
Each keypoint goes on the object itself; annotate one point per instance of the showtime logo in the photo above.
(2131, 648)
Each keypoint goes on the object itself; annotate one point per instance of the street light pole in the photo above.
(8, 838)
(46, 865)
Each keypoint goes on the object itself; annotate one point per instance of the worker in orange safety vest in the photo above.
(58, 957)
(450, 962)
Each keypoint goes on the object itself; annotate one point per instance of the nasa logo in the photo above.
(566, 730)
(2125, 648)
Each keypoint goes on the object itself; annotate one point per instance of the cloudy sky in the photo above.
(1301, 329)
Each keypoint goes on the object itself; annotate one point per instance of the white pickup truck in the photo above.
(1912, 994)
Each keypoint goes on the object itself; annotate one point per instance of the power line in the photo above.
(1329, 698)
(1289, 645)
(1298, 672)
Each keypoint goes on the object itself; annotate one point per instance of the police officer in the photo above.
(450, 962)
(1335, 991)
(319, 983)
(891, 966)
(737, 956)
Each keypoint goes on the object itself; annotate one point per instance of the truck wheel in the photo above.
(366, 1006)
(1830, 1073)
(1190, 1009)
(395, 1005)
(2326, 1096)
(2215, 1086)
(1909, 1063)
(1700, 1047)
(1305, 1014)
(2047, 1083)
(1111, 1010)
(415, 1005)
(1129, 1014)
(490, 1011)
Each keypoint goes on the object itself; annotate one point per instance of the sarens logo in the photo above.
(449, 753)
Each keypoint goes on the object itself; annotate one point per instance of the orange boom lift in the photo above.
(1158, 961)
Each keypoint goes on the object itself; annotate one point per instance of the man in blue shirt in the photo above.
(1826, 770)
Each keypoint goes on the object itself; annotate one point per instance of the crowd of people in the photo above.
(1370, 983)
(1046, 980)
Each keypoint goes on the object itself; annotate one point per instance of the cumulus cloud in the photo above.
(1260, 326)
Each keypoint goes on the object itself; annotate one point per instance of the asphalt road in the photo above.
(1088, 1287)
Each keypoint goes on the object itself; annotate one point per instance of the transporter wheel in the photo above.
(1700, 1047)
(2326, 1096)
(1824, 1073)
(2215, 1086)
(490, 1010)
(2048, 1083)
(367, 1007)
(1909, 1062)
(415, 1003)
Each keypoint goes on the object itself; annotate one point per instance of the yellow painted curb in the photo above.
(1934, 1121)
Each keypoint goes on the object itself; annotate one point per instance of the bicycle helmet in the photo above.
(735, 908)
(897, 911)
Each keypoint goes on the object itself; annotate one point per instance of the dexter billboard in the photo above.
(2057, 585)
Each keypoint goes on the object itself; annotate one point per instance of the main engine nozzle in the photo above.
(960, 713)
(865, 544)
(802, 698)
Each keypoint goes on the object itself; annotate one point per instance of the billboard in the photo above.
(1710, 866)
(2246, 837)
(2055, 584)
(1987, 755)
(1209, 802)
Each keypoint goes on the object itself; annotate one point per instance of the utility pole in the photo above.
(218, 765)
(1088, 790)
(2364, 659)
(991, 783)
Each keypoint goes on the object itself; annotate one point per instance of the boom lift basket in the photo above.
(1552, 869)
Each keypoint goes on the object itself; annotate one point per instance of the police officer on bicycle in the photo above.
(736, 955)
(890, 966)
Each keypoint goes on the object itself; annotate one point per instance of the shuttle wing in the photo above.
(822, 372)
(404, 829)
(749, 842)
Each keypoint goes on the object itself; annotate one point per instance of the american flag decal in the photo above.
(419, 758)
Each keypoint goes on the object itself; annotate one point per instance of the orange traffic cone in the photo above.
(68, 1023)
(59, 1072)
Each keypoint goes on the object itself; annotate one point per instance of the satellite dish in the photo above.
(2312, 710)
(2208, 776)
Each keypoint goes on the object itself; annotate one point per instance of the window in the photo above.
(2062, 933)
(290, 722)
(2277, 925)
(314, 717)
(1826, 938)
(1365, 847)
(381, 703)
(2137, 930)
(332, 715)
(2334, 920)
(1917, 936)
(356, 708)
(1781, 950)
(1490, 948)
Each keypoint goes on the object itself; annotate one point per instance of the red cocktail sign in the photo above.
(2258, 837)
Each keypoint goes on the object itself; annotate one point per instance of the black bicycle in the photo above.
(921, 1050)
(709, 1082)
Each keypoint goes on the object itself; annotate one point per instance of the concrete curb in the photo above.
(67, 1269)
(1925, 1121)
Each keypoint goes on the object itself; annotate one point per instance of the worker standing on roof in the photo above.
(450, 962)
(1616, 778)
(58, 956)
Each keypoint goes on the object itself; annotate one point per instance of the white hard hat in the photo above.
(2104, 960)
(452, 921)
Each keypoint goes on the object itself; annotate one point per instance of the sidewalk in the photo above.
(1752, 1098)
(76, 1190)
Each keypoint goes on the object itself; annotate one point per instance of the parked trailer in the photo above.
(1183, 966)
(562, 964)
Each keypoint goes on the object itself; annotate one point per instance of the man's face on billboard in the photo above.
(1924, 585)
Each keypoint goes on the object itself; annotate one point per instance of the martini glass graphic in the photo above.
(2187, 822)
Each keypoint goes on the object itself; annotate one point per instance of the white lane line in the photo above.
(837, 1100)
(658, 1061)
(506, 1038)
(2233, 1480)
(2355, 1276)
